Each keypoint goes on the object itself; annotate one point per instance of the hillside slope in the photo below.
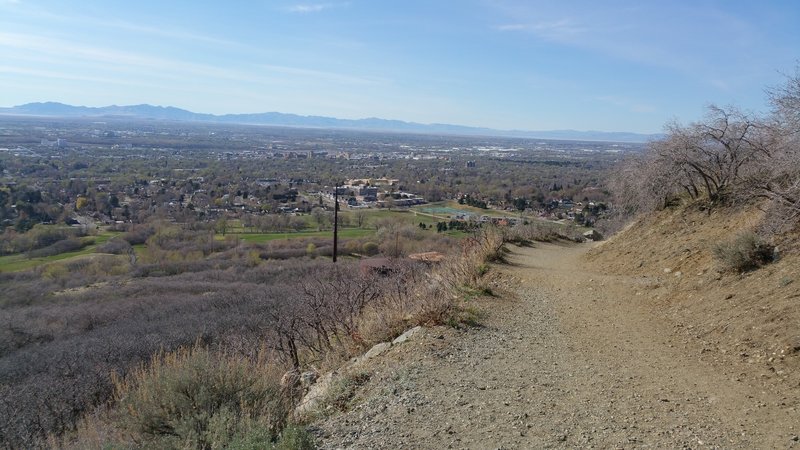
(751, 318)
(569, 355)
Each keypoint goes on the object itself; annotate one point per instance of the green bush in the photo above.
(193, 398)
(311, 250)
(292, 437)
(370, 248)
(745, 252)
(295, 438)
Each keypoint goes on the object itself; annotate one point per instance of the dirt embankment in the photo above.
(751, 318)
(580, 352)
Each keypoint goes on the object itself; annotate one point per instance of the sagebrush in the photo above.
(744, 252)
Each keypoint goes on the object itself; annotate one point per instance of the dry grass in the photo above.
(541, 231)
(344, 389)
(232, 299)
(434, 297)
(196, 398)
(191, 398)
(469, 269)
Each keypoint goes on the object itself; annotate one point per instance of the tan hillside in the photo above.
(750, 318)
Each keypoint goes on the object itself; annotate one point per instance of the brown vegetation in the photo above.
(729, 158)
(716, 239)
(67, 326)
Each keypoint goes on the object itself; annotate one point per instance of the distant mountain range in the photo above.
(53, 109)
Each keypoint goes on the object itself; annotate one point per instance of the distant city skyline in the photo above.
(507, 65)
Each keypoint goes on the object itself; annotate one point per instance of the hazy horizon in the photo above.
(508, 65)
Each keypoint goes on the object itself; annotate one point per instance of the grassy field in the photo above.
(264, 237)
(20, 261)
(448, 208)
(17, 262)
(411, 216)
(374, 216)
(13, 263)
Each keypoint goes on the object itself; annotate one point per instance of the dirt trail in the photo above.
(573, 360)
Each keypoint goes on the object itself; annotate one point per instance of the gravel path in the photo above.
(572, 359)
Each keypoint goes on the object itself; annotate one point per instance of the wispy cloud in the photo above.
(720, 84)
(307, 8)
(64, 50)
(165, 32)
(115, 24)
(511, 27)
(61, 52)
(330, 76)
(67, 76)
(553, 30)
(699, 41)
(631, 105)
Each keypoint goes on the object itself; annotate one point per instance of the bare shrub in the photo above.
(729, 157)
(408, 297)
(370, 248)
(435, 305)
(139, 234)
(779, 219)
(785, 100)
(710, 157)
(468, 269)
(744, 252)
(294, 248)
(45, 235)
(118, 227)
(643, 183)
(777, 177)
(24, 288)
(58, 349)
(115, 246)
(63, 246)
(489, 244)
(324, 319)
(39, 237)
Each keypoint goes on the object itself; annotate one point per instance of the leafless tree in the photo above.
(644, 183)
(777, 178)
(727, 157)
(709, 157)
(322, 217)
(785, 101)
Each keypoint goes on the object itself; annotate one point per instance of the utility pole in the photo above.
(335, 221)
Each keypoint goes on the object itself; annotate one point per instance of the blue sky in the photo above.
(506, 64)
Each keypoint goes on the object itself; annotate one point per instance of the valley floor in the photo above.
(568, 358)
